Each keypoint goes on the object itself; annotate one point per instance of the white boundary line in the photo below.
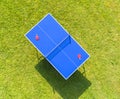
(59, 43)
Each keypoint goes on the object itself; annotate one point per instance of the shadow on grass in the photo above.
(68, 89)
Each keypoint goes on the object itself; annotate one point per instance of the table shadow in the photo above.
(72, 88)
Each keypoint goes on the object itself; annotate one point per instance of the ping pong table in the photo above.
(57, 46)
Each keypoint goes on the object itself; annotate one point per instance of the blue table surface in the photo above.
(57, 46)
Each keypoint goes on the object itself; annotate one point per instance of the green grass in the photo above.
(95, 24)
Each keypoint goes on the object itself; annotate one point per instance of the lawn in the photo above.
(25, 74)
